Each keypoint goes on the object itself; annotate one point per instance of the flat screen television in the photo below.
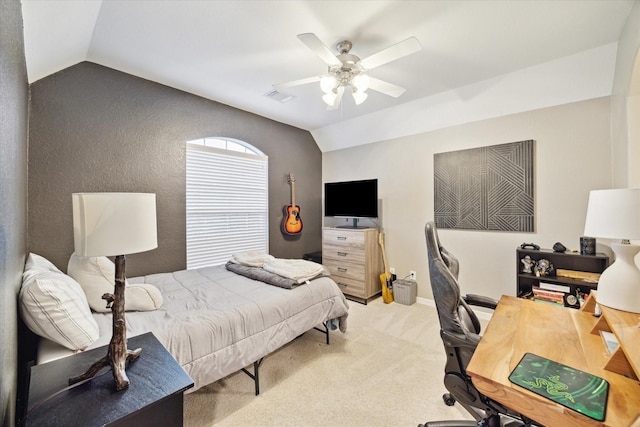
(351, 199)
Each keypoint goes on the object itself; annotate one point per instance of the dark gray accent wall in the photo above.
(93, 128)
(14, 97)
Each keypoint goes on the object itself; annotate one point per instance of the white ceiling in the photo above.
(233, 51)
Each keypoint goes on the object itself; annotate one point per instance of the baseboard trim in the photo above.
(431, 303)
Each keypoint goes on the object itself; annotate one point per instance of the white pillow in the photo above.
(36, 264)
(96, 276)
(54, 307)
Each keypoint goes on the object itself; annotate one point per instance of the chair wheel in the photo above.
(448, 399)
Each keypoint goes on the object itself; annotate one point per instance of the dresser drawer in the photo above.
(337, 237)
(344, 269)
(351, 287)
(344, 254)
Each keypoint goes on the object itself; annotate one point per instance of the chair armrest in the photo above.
(480, 301)
(469, 341)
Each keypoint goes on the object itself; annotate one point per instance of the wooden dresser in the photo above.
(353, 258)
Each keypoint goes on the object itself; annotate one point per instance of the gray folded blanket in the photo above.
(258, 273)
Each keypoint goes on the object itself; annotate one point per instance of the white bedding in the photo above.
(215, 322)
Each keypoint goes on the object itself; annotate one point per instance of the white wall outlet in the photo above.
(412, 275)
(392, 270)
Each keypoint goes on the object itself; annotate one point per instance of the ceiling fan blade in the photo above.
(313, 42)
(385, 87)
(397, 51)
(336, 103)
(299, 82)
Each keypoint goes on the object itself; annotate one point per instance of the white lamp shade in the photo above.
(327, 83)
(109, 224)
(360, 82)
(359, 97)
(329, 98)
(614, 214)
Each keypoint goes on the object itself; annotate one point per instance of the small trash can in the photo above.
(405, 291)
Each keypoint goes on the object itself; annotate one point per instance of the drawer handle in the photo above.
(342, 237)
(342, 254)
(344, 285)
(342, 270)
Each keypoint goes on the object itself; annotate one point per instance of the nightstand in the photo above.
(154, 396)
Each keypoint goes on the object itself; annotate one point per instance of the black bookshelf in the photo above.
(560, 260)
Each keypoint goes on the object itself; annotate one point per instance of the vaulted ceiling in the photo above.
(234, 51)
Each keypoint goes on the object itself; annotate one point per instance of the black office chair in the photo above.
(460, 332)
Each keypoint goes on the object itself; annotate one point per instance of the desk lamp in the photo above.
(114, 224)
(615, 214)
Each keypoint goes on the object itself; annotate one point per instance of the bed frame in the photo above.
(283, 314)
(256, 365)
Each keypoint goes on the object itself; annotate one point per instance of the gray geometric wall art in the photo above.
(486, 188)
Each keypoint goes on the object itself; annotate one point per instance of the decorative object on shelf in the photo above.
(587, 245)
(559, 247)
(528, 264)
(571, 300)
(615, 214)
(114, 224)
(291, 222)
(479, 178)
(544, 268)
(530, 245)
(584, 276)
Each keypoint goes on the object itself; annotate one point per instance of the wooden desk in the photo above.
(154, 397)
(567, 336)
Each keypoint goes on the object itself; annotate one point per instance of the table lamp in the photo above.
(615, 214)
(114, 224)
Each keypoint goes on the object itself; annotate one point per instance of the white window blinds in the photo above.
(227, 204)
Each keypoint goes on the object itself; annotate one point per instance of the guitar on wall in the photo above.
(385, 278)
(291, 222)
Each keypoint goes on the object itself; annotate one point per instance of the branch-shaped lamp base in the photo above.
(117, 354)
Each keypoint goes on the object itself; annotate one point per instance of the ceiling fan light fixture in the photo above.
(346, 69)
(327, 84)
(360, 82)
(329, 98)
(359, 97)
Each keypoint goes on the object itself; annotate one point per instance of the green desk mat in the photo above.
(570, 387)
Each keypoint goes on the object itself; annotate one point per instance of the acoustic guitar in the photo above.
(385, 278)
(291, 221)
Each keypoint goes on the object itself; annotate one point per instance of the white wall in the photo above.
(573, 156)
(633, 110)
(624, 113)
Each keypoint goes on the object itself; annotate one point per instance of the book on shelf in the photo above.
(547, 295)
(555, 287)
(547, 301)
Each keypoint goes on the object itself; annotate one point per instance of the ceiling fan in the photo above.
(346, 69)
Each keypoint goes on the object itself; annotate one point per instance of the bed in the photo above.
(213, 321)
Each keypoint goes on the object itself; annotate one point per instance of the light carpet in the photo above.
(386, 370)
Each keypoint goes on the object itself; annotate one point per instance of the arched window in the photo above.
(227, 200)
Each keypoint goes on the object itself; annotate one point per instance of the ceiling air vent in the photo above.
(277, 96)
